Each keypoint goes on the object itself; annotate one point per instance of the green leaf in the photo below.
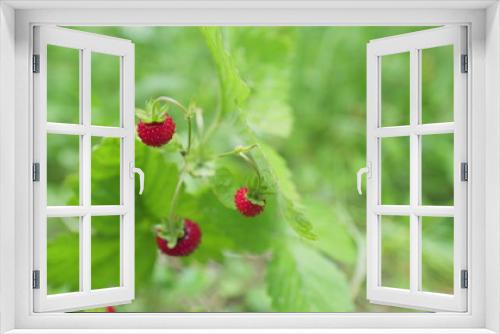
(224, 185)
(276, 172)
(226, 230)
(268, 72)
(331, 225)
(301, 280)
(159, 183)
(276, 176)
(233, 89)
(231, 174)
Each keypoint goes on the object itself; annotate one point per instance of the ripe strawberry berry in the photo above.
(186, 244)
(158, 133)
(247, 205)
(156, 127)
(110, 309)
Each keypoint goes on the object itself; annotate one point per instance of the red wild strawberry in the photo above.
(158, 133)
(246, 205)
(156, 127)
(186, 244)
(110, 309)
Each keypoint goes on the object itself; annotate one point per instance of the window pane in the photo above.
(105, 252)
(63, 255)
(105, 90)
(437, 84)
(63, 156)
(395, 91)
(395, 251)
(63, 84)
(395, 170)
(437, 254)
(105, 172)
(437, 169)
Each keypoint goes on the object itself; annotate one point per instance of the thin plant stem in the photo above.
(237, 150)
(252, 163)
(213, 126)
(189, 135)
(173, 202)
(171, 101)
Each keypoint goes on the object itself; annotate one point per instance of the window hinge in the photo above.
(464, 171)
(465, 64)
(36, 279)
(464, 279)
(36, 172)
(36, 63)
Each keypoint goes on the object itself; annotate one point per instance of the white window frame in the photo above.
(413, 44)
(16, 21)
(85, 44)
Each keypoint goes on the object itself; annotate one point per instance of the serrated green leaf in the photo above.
(159, 183)
(302, 280)
(233, 89)
(224, 185)
(268, 73)
(195, 185)
(331, 225)
(277, 178)
(226, 230)
(280, 173)
(289, 202)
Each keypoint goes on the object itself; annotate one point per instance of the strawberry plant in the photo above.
(232, 134)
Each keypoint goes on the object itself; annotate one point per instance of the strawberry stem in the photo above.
(189, 119)
(171, 228)
(188, 113)
(252, 163)
(237, 150)
(166, 99)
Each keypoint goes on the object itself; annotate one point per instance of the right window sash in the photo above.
(417, 160)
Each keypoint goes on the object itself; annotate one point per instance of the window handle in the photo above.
(135, 170)
(365, 170)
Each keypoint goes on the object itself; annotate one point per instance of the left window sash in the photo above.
(82, 130)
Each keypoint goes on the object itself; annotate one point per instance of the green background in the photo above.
(300, 92)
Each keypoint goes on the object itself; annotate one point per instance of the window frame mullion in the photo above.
(85, 171)
(415, 172)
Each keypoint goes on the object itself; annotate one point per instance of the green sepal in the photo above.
(256, 200)
(259, 188)
(256, 192)
(172, 237)
(153, 112)
(143, 115)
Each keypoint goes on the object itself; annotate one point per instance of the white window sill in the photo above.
(252, 331)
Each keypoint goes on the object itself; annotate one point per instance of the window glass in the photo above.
(63, 157)
(105, 173)
(63, 255)
(105, 252)
(437, 254)
(437, 84)
(395, 89)
(63, 84)
(395, 262)
(105, 89)
(395, 170)
(437, 169)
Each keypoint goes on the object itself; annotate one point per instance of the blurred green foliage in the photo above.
(300, 93)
